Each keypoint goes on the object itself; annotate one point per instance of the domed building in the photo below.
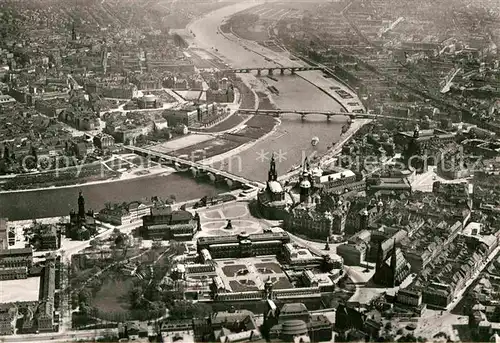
(148, 101)
(273, 201)
(294, 323)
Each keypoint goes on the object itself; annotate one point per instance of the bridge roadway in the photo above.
(192, 164)
(271, 70)
(328, 114)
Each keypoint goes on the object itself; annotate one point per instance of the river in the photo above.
(291, 141)
(58, 202)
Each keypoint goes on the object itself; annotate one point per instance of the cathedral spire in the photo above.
(81, 205)
(305, 165)
(273, 175)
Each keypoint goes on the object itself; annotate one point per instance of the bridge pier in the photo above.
(293, 71)
(194, 171)
(212, 177)
(270, 71)
(282, 70)
(259, 72)
(303, 116)
(328, 117)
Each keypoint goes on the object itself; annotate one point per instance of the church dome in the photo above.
(294, 327)
(305, 184)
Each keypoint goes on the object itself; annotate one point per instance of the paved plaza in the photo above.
(214, 220)
(19, 290)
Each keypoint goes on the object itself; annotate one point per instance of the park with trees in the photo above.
(131, 286)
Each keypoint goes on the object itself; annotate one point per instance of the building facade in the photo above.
(244, 245)
(164, 223)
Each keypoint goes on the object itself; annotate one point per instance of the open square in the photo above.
(19, 290)
(214, 220)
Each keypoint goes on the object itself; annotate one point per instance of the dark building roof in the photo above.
(178, 216)
(16, 252)
(294, 308)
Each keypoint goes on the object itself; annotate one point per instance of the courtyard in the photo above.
(19, 290)
(250, 274)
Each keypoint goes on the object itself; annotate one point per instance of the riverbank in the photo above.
(227, 156)
(156, 171)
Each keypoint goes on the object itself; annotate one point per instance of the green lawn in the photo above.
(114, 294)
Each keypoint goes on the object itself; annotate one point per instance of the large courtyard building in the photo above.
(120, 214)
(244, 245)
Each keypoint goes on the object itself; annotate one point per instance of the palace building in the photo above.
(319, 213)
(244, 245)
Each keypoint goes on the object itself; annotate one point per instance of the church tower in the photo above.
(305, 191)
(416, 131)
(272, 175)
(81, 206)
(393, 264)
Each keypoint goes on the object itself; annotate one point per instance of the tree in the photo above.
(176, 247)
(74, 301)
(182, 309)
(119, 241)
(388, 326)
(85, 310)
(156, 309)
(6, 153)
(84, 296)
(34, 153)
(29, 163)
(136, 297)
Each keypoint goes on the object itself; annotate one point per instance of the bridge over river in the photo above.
(196, 168)
(327, 114)
(271, 70)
